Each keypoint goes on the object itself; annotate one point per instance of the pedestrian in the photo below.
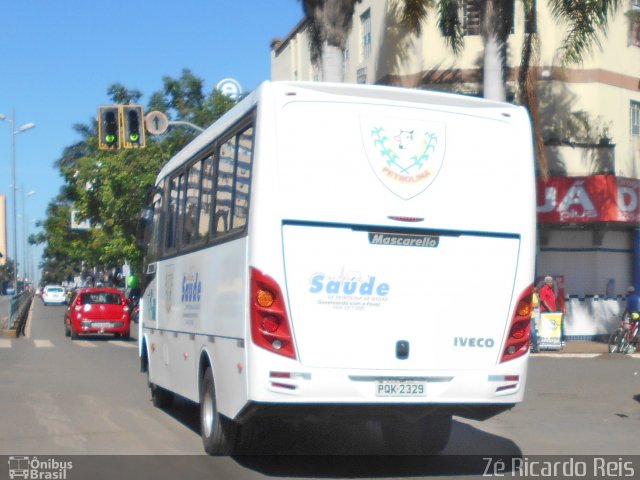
(548, 303)
(547, 296)
(535, 314)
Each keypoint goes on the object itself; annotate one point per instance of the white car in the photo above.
(54, 294)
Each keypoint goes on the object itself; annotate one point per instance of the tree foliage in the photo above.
(109, 188)
(586, 20)
(6, 270)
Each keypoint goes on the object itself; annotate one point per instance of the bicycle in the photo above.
(624, 338)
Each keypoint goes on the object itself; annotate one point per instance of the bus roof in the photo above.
(377, 92)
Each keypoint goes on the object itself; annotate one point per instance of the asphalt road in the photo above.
(67, 398)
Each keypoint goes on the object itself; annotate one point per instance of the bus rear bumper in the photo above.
(476, 394)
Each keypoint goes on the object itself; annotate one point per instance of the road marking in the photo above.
(5, 343)
(43, 343)
(120, 343)
(84, 343)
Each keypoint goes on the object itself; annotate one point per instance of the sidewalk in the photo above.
(582, 346)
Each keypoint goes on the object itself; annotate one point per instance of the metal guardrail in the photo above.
(18, 311)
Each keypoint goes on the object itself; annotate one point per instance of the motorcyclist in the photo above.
(133, 295)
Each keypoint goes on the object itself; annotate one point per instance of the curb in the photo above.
(582, 355)
(6, 333)
(27, 323)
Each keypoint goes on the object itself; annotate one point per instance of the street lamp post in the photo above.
(14, 132)
(25, 235)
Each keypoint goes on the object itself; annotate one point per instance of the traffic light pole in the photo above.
(187, 124)
(158, 123)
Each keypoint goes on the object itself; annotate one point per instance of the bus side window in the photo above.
(192, 201)
(224, 186)
(155, 242)
(206, 196)
(180, 216)
(172, 214)
(243, 178)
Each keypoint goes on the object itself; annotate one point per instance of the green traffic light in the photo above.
(110, 127)
(133, 125)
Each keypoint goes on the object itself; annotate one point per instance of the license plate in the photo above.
(400, 388)
(102, 325)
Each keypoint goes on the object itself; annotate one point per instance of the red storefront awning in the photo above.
(597, 198)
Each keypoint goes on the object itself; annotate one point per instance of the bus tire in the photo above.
(218, 433)
(429, 435)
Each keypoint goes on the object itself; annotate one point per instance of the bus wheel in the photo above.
(218, 433)
(429, 435)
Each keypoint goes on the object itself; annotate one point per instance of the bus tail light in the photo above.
(270, 327)
(517, 343)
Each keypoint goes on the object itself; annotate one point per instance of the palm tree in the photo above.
(330, 23)
(586, 20)
(329, 26)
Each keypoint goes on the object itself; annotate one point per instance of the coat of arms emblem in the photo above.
(405, 155)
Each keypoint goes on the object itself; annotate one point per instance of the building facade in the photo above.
(589, 207)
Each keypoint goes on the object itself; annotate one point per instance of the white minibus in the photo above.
(335, 252)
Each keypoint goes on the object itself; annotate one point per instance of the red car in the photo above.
(97, 310)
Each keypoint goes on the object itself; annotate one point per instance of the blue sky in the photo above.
(58, 57)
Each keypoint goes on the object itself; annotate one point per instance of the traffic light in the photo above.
(108, 128)
(120, 126)
(133, 123)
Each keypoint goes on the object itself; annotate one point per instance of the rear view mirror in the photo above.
(143, 229)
